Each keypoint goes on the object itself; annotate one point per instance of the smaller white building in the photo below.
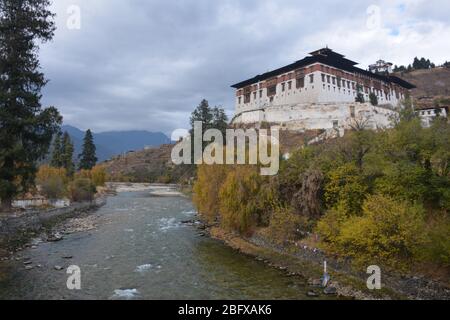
(428, 114)
(381, 67)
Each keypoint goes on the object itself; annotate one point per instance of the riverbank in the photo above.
(345, 282)
(18, 229)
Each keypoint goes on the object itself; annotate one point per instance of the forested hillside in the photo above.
(374, 197)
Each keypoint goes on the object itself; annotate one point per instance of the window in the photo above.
(348, 84)
(283, 87)
(328, 79)
(247, 98)
(334, 80)
(301, 82)
(323, 77)
(311, 78)
(271, 91)
(335, 124)
(239, 100)
(260, 93)
(254, 95)
(289, 85)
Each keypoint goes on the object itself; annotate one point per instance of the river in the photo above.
(142, 250)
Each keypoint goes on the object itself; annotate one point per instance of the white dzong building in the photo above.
(318, 92)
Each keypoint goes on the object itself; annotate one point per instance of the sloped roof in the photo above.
(328, 57)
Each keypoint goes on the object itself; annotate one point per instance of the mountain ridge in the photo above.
(113, 143)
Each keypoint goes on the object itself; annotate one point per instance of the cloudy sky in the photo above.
(146, 64)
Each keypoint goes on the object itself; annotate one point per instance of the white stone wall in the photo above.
(320, 116)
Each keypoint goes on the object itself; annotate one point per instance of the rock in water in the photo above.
(55, 237)
(58, 268)
(312, 294)
(330, 291)
(315, 282)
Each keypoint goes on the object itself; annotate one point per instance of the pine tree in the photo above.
(373, 99)
(26, 128)
(88, 160)
(56, 154)
(220, 120)
(359, 96)
(67, 155)
(204, 114)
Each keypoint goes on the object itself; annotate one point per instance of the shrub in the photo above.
(82, 189)
(437, 249)
(246, 200)
(286, 226)
(98, 176)
(206, 190)
(329, 227)
(388, 233)
(404, 180)
(346, 187)
(52, 182)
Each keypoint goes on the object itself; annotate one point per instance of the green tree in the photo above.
(204, 114)
(26, 128)
(220, 120)
(88, 159)
(56, 154)
(210, 117)
(67, 154)
(360, 95)
(373, 99)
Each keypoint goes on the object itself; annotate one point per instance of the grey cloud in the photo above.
(146, 64)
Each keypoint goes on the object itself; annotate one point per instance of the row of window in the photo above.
(300, 83)
(272, 90)
(337, 81)
(431, 112)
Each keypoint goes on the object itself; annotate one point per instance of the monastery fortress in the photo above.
(319, 92)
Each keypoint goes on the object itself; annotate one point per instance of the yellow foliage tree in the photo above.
(206, 190)
(246, 200)
(388, 233)
(98, 175)
(52, 182)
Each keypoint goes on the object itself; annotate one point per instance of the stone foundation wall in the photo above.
(320, 116)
